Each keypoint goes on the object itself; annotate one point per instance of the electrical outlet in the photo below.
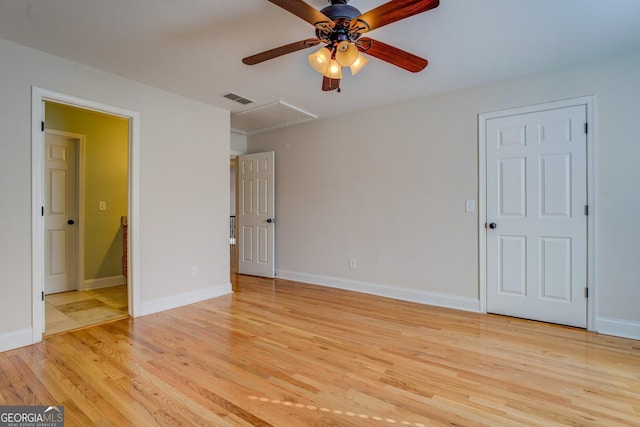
(194, 271)
(353, 264)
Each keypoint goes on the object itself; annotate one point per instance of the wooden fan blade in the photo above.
(330, 84)
(302, 10)
(279, 51)
(392, 55)
(390, 12)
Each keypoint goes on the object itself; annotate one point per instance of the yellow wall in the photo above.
(105, 179)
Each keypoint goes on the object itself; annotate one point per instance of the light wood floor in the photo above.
(280, 353)
(77, 309)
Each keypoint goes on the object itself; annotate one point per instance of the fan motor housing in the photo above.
(339, 10)
(341, 14)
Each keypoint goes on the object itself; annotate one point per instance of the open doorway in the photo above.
(233, 247)
(86, 208)
(128, 223)
(237, 147)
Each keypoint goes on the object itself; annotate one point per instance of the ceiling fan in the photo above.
(340, 28)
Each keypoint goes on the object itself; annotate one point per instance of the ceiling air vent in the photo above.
(237, 98)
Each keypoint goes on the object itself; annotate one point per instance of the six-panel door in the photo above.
(536, 197)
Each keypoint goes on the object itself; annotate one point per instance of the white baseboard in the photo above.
(180, 300)
(15, 339)
(24, 337)
(617, 327)
(404, 294)
(103, 282)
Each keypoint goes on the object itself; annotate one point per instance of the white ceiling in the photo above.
(195, 47)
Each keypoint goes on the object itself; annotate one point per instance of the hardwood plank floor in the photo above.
(280, 353)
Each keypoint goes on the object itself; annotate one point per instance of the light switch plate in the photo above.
(470, 206)
(102, 205)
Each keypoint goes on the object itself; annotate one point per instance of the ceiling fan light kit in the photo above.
(359, 64)
(334, 71)
(319, 60)
(340, 27)
(346, 53)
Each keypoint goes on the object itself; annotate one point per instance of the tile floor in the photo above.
(77, 309)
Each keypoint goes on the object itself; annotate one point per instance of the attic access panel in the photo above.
(268, 117)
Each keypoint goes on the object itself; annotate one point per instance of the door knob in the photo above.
(71, 222)
(493, 225)
(271, 220)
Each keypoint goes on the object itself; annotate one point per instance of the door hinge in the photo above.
(586, 210)
(42, 211)
(42, 295)
(42, 126)
(586, 292)
(586, 128)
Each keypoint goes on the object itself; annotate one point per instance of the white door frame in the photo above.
(79, 165)
(38, 96)
(589, 102)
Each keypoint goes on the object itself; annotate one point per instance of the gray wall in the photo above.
(389, 190)
(183, 176)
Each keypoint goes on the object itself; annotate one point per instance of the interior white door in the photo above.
(60, 213)
(536, 219)
(256, 214)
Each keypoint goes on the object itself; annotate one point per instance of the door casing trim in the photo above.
(38, 96)
(589, 102)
